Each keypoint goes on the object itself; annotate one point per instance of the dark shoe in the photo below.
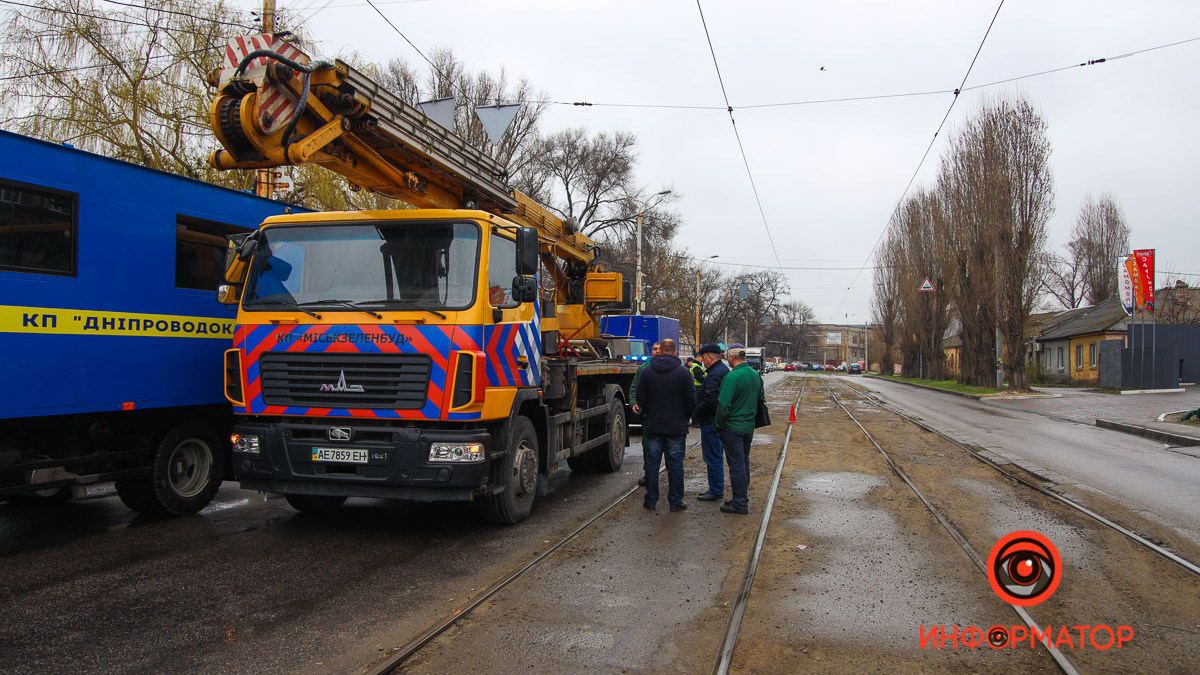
(679, 507)
(709, 497)
(641, 482)
(730, 508)
(727, 502)
(648, 506)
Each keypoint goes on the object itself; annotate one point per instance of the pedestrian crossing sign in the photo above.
(926, 286)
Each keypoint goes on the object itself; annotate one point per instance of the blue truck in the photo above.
(641, 331)
(110, 329)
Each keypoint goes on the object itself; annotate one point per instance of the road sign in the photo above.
(926, 286)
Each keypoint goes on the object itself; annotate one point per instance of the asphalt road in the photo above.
(1138, 473)
(250, 585)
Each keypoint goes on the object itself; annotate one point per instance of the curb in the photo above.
(963, 394)
(1153, 434)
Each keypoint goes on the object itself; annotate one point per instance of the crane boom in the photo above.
(339, 118)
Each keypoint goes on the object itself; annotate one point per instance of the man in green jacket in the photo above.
(737, 408)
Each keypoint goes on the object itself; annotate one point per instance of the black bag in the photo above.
(762, 418)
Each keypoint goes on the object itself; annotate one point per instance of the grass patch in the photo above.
(948, 385)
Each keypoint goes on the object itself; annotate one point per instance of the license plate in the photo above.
(342, 455)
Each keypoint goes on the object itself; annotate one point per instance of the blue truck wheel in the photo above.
(185, 473)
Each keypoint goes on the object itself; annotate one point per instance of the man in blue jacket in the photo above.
(706, 411)
(667, 398)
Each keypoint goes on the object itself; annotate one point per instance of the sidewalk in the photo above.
(1113, 411)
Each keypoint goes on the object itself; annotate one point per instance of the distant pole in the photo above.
(637, 274)
(1153, 341)
(264, 179)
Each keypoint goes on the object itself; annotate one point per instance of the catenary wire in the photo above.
(924, 155)
(737, 135)
(177, 13)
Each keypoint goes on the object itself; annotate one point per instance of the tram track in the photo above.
(1062, 499)
(1156, 561)
(397, 659)
(1059, 658)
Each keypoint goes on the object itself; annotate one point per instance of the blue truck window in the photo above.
(37, 229)
(200, 252)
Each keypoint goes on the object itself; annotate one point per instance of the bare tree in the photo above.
(885, 303)
(971, 271)
(1022, 200)
(1100, 235)
(1062, 279)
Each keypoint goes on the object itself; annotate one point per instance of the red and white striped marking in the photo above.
(275, 105)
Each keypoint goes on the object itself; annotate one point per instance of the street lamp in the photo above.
(637, 293)
(697, 333)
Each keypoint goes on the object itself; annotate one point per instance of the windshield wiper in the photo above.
(346, 303)
(408, 303)
(289, 303)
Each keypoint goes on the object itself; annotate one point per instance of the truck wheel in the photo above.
(184, 475)
(608, 458)
(315, 505)
(517, 471)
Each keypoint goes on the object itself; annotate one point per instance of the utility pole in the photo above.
(637, 274)
(264, 179)
(697, 333)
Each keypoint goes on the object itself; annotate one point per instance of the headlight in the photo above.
(245, 443)
(456, 452)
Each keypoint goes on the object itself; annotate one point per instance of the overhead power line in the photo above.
(178, 13)
(925, 155)
(417, 49)
(874, 97)
(737, 135)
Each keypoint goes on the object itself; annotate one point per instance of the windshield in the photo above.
(429, 265)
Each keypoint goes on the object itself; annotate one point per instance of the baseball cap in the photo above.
(711, 348)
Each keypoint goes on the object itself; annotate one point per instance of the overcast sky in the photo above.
(830, 174)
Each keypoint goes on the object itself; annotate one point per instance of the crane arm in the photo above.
(278, 109)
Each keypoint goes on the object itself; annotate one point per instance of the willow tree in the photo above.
(128, 83)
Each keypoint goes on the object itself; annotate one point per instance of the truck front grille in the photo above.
(395, 381)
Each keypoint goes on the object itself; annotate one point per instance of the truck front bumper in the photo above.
(397, 461)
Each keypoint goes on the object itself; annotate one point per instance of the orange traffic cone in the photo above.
(792, 415)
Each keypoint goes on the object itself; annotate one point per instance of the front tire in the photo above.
(517, 472)
(184, 476)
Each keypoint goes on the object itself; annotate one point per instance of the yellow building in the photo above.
(1069, 351)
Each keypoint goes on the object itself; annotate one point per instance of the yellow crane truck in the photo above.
(447, 352)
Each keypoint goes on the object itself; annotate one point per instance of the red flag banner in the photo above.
(1145, 267)
(1138, 291)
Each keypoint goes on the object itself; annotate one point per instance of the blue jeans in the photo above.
(653, 447)
(714, 458)
(737, 453)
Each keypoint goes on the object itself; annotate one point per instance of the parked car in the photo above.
(789, 368)
(828, 368)
(854, 369)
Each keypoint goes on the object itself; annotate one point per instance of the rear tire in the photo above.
(315, 505)
(184, 476)
(518, 473)
(608, 457)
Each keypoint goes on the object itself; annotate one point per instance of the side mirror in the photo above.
(524, 289)
(527, 251)
(229, 294)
